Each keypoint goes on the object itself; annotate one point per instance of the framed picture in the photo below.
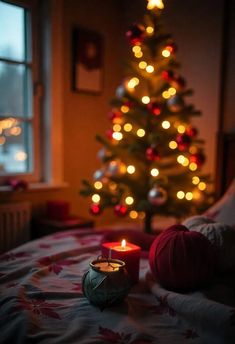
(87, 65)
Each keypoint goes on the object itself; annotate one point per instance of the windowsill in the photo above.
(34, 187)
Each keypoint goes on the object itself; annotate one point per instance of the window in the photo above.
(31, 116)
(19, 113)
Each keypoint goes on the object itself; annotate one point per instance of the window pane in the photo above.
(12, 45)
(15, 155)
(15, 90)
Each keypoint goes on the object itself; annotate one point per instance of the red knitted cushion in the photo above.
(181, 259)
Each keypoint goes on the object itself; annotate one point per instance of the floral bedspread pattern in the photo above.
(41, 301)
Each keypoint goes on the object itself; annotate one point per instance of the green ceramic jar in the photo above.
(106, 283)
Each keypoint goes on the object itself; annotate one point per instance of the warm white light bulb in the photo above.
(180, 194)
(173, 144)
(149, 69)
(98, 185)
(149, 30)
(129, 200)
(154, 172)
(133, 214)
(130, 169)
(189, 196)
(166, 124)
(145, 100)
(117, 136)
(142, 64)
(155, 4)
(166, 53)
(127, 127)
(95, 198)
(140, 132)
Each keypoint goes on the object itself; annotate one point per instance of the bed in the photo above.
(41, 300)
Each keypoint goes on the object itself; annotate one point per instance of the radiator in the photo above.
(14, 224)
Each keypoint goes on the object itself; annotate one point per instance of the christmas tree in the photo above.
(152, 155)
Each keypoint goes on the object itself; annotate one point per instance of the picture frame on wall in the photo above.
(87, 64)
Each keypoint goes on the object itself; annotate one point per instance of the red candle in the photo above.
(127, 252)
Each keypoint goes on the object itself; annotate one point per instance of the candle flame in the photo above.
(123, 244)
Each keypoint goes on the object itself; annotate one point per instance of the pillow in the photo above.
(224, 209)
(220, 235)
(181, 259)
(196, 220)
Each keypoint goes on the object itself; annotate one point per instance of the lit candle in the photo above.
(126, 252)
(106, 283)
(107, 266)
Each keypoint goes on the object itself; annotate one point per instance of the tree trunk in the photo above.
(148, 223)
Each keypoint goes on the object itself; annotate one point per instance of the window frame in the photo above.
(36, 174)
(47, 28)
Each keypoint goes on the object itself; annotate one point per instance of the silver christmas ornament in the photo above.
(113, 168)
(157, 196)
(120, 91)
(175, 103)
(98, 175)
(103, 153)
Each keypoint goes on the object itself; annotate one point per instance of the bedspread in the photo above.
(42, 301)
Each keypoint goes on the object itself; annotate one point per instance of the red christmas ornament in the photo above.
(95, 209)
(120, 210)
(154, 107)
(109, 134)
(128, 103)
(171, 47)
(183, 141)
(136, 34)
(152, 154)
(198, 158)
(114, 114)
(168, 75)
(191, 131)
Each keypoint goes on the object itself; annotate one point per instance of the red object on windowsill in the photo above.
(17, 184)
(129, 253)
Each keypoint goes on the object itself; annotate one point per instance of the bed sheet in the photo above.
(42, 301)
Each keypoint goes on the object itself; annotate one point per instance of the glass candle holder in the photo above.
(106, 283)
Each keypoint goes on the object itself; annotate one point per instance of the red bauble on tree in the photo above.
(167, 75)
(183, 141)
(191, 131)
(136, 34)
(109, 134)
(115, 114)
(95, 209)
(198, 158)
(128, 103)
(154, 107)
(120, 210)
(171, 47)
(152, 154)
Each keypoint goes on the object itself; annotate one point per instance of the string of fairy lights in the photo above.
(10, 127)
(192, 160)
